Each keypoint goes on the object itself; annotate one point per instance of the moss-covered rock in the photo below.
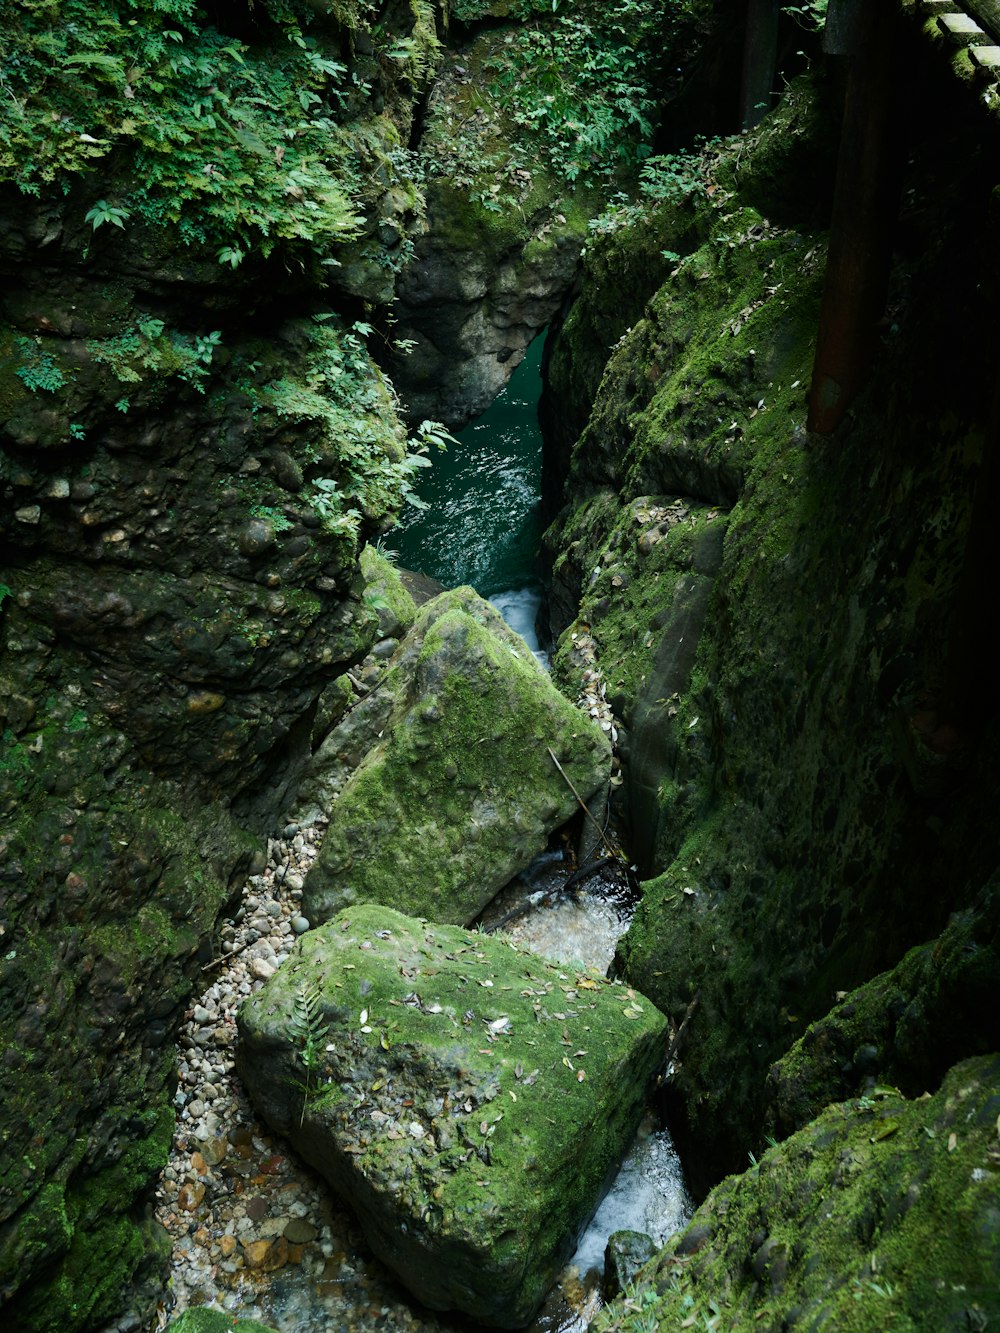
(386, 594)
(455, 788)
(881, 1213)
(824, 771)
(215, 1321)
(534, 120)
(187, 471)
(469, 1100)
(904, 1027)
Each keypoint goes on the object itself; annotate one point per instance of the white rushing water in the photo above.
(519, 608)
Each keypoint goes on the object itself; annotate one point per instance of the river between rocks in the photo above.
(255, 1232)
(483, 524)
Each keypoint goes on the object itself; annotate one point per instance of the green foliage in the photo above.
(583, 83)
(235, 146)
(149, 350)
(418, 53)
(308, 1030)
(103, 212)
(369, 469)
(38, 370)
(810, 15)
(666, 179)
(278, 521)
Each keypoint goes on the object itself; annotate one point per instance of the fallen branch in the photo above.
(583, 804)
(678, 1037)
(224, 958)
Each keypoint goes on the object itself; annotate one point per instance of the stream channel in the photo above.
(256, 1233)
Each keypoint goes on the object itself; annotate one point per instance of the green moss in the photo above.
(86, 1233)
(903, 1027)
(882, 1213)
(460, 788)
(467, 1078)
(385, 593)
(795, 794)
(215, 1321)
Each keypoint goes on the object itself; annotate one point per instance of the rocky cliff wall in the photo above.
(195, 443)
(810, 785)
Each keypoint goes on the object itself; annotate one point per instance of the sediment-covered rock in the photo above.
(469, 1100)
(440, 784)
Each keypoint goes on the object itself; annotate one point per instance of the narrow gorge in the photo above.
(267, 760)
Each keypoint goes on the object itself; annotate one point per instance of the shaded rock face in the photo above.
(439, 784)
(470, 1101)
(902, 1027)
(173, 604)
(494, 255)
(880, 1211)
(171, 610)
(472, 301)
(827, 754)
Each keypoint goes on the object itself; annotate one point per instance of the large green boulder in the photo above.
(470, 1101)
(455, 787)
(882, 1213)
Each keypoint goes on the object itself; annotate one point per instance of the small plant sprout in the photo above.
(103, 212)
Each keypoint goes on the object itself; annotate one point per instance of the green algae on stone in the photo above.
(470, 1100)
(458, 790)
(905, 1026)
(204, 1320)
(881, 1213)
(385, 593)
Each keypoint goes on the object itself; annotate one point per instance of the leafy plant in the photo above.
(583, 82)
(811, 15)
(149, 349)
(103, 212)
(231, 145)
(665, 179)
(278, 521)
(309, 1031)
(38, 371)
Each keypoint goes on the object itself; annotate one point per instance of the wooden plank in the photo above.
(987, 14)
(864, 211)
(961, 29)
(985, 58)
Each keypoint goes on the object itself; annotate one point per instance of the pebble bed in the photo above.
(254, 1231)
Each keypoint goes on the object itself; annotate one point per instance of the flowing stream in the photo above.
(255, 1232)
(483, 524)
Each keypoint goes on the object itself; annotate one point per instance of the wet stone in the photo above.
(299, 1232)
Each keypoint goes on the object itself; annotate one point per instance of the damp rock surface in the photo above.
(441, 785)
(469, 1101)
(880, 1213)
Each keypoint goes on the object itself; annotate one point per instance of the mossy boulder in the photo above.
(455, 788)
(204, 1320)
(469, 1100)
(829, 767)
(903, 1027)
(881, 1213)
(386, 594)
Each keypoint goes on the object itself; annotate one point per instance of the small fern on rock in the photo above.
(309, 1031)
